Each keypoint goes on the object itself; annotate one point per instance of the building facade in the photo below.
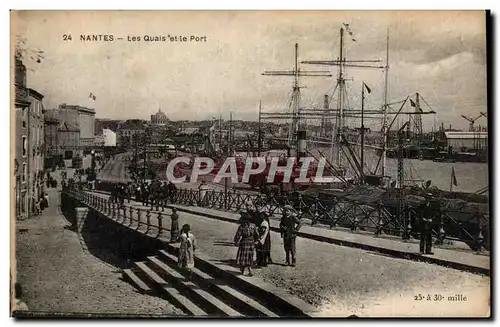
(51, 141)
(36, 140)
(466, 140)
(68, 139)
(77, 117)
(109, 137)
(22, 105)
(29, 144)
(106, 138)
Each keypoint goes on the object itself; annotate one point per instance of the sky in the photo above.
(441, 55)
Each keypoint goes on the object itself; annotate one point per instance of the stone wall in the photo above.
(106, 239)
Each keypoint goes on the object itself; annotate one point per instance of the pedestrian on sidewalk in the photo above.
(289, 226)
(19, 303)
(46, 197)
(246, 237)
(187, 249)
(130, 191)
(38, 207)
(174, 226)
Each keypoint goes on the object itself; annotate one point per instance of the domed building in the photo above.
(159, 118)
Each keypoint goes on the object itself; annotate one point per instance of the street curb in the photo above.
(382, 250)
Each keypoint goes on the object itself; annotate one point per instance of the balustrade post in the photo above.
(131, 215)
(119, 210)
(124, 214)
(139, 214)
(113, 211)
(148, 219)
(160, 226)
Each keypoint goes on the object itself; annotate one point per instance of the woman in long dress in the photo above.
(186, 249)
(245, 238)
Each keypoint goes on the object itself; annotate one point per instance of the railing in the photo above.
(449, 223)
(152, 223)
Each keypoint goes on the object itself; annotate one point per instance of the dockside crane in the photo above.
(472, 121)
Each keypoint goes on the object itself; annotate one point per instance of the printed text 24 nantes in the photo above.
(136, 38)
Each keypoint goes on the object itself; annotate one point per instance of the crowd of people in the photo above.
(155, 193)
(253, 238)
(40, 204)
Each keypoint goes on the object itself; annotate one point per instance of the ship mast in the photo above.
(296, 73)
(342, 63)
(384, 123)
(340, 118)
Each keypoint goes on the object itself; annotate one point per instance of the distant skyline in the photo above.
(441, 55)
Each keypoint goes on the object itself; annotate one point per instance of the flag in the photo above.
(453, 177)
(92, 96)
(413, 103)
(367, 88)
(348, 30)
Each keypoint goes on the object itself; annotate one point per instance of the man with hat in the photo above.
(289, 226)
(426, 226)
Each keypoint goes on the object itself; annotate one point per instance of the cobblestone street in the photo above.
(58, 276)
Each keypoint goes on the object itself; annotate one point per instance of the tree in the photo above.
(24, 52)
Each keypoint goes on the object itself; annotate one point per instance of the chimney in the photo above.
(20, 73)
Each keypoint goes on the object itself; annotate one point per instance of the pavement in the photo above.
(58, 276)
(342, 280)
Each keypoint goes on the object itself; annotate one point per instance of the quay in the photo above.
(326, 273)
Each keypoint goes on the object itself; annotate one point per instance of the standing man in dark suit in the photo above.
(426, 226)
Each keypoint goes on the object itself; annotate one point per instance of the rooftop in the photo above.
(466, 135)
